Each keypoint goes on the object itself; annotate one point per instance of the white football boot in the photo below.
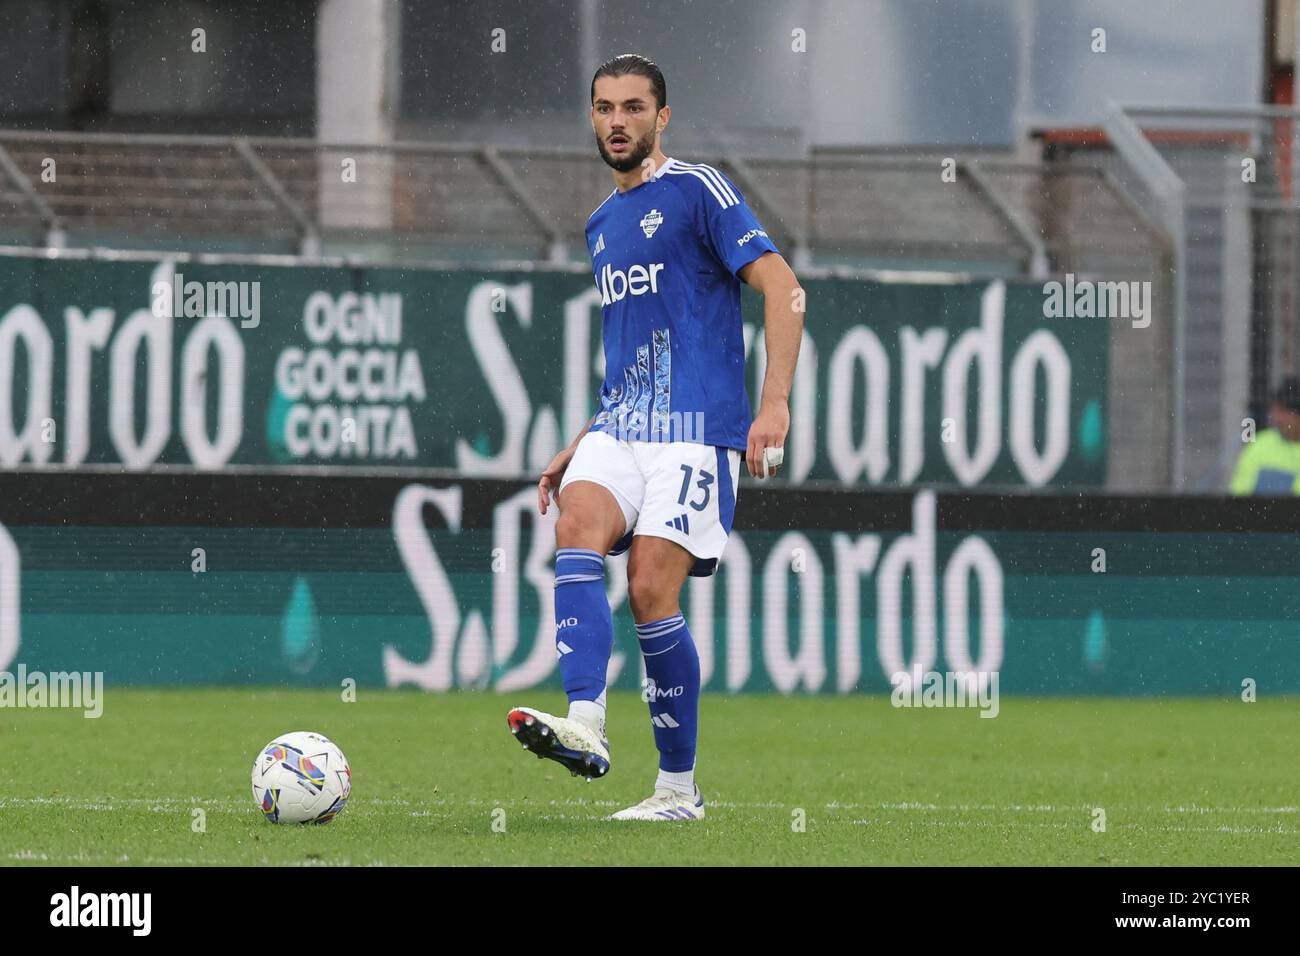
(665, 805)
(569, 742)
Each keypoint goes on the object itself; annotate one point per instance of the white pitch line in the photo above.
(972, 824)
(1048, 808)
(1223, 829)
(167, 861)
(1196, 809)
(427, 807)
(1081, 826)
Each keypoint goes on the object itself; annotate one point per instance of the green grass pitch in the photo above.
(1181, 782)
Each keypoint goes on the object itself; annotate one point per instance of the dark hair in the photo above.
(634, 64)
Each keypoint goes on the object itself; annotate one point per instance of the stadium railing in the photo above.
(1221, 184)
(416, 201)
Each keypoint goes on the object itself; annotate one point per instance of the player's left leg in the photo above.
(682, 529)
(656, 570)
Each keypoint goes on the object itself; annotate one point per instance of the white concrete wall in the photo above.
(358, 53)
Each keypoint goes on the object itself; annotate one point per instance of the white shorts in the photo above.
(683, 491)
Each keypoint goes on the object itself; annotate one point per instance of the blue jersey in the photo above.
(665, 255)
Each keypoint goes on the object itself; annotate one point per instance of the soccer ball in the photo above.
(301, 778)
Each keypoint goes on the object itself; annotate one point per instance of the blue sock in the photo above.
(672, 667)
(584, 627)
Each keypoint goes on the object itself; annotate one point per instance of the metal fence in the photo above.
(414, 200)
(1222, 183)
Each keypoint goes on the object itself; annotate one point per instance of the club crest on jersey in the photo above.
(652, 221)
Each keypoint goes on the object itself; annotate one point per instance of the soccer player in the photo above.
(656, 469)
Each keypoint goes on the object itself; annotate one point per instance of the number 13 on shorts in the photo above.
(704, 483)
(691, 498)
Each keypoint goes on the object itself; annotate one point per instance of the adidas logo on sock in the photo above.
(680, 523)
(665, 721)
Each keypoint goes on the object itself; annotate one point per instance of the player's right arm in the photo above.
(550, 480)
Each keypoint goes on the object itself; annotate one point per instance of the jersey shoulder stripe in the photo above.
(711, 178)
(716, 175)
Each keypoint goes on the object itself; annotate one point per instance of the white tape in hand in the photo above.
(772, 458)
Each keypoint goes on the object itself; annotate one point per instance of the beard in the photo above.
(637, 152)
